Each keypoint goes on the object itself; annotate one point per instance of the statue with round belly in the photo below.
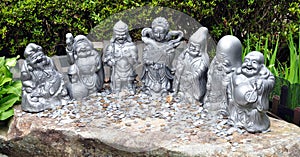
(86, 67)
(248, 93)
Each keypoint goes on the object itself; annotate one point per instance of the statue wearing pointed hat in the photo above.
(121, 56)
(191, 68)
(86, 65)
(158, 55)
(227, 59)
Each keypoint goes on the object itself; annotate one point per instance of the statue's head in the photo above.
(82, 46)
(121, 34)
(160, 28)
(253, 62)
(229, 52)
(34, 55)
(198, 42)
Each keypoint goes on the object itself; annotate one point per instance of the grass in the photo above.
(289, 71)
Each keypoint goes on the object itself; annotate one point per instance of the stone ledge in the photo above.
(30, 135)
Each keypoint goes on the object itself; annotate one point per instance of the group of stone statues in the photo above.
(226, 87)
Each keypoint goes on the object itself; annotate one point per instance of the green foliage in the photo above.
(10, 90)
(46, 22)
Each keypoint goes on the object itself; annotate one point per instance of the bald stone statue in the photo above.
(248, 92)
(227, 59)
(191, 68)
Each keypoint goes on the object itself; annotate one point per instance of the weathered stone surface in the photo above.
(138, 126)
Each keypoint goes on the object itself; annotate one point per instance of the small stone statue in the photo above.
(248, 92)
(227, 59)
(158, 56)
(191, 68)
(86, 72)
(43, 86)
(122, 56)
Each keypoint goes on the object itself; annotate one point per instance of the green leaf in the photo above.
(11, 62)
(8, 101)
(7, 114)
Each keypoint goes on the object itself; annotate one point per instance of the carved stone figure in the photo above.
(86, 67)
(191, 68)
(227, 59)
(43, 86)
(248, 92)
(158, 56)
(122, 56)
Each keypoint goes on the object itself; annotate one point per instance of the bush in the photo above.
(46, 22)
(10, 90)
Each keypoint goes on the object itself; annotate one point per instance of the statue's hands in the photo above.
(169, 50)
(111, 62)
(259, 83)
(69, 40)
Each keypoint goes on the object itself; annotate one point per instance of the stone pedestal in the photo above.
(49, 134)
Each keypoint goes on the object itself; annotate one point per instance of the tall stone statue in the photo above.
(227, 59)
(191, 68)
(248, 93)
(158, 56)
(122, 56)
(43, 86)
(86, 72)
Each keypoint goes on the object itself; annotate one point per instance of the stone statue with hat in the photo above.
(191, 68)
(227, 60)
(158, 54)
(86, 72)
(43, 86)
(121, 56)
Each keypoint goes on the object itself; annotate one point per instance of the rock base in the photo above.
(95, 127)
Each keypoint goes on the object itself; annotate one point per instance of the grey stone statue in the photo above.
(122, 56)
(191, 68)
(248, 92)
(158, 56)
(86, 71)
(43, 86)
(227, 59)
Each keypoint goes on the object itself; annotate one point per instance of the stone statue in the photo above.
(191, 68)
(43, 86)
(248, 91)
(122, 56)
(86, 71)
(227, 59)
(158, 56)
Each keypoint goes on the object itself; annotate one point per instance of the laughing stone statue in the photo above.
(158, 56)
(86, 67)
(43, 86)
(248, 92)
(122, 56)
(227, 59)
(191, 68)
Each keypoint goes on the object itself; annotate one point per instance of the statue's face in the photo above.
(194, 49)
(251, 66)
(37, 59)
(83, 47)
(159, 33)
(121, 37)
